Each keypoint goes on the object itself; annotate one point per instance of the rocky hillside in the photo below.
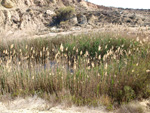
(22, 17)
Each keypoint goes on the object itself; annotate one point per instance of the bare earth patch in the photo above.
(38, 105)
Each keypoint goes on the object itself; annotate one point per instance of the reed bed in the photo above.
(87, 69)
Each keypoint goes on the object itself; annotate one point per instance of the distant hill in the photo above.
(38, 16)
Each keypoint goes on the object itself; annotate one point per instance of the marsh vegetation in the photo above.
(93, 69)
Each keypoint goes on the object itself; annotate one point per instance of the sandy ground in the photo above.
(38, 105)
(117, 29)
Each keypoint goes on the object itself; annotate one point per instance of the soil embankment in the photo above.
(28, 18)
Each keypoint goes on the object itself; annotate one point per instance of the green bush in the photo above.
(64, 13)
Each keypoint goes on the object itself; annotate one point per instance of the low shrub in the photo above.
(64, 13)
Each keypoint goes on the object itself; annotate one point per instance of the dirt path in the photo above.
(125, 31)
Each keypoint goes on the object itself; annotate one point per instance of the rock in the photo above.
(54, 29)
(91, 19)
(49, 12)
(15, 19)
(75, 28)
(7, 3)
(38, 3)
(82, 19)
(73, 20)
(146, 24)
(2, 18)
(128, 20)
(132, 16)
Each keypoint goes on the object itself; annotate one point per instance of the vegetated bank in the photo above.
(87, 69)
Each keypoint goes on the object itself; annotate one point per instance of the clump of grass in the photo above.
(133, 107)
(94, 68)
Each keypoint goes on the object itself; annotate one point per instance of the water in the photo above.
(53, 65)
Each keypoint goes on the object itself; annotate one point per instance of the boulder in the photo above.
(7, 3)
(82, 19)
(91, 19)
(49, 12)
(73, 20)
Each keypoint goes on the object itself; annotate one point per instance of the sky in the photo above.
(135, 4)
